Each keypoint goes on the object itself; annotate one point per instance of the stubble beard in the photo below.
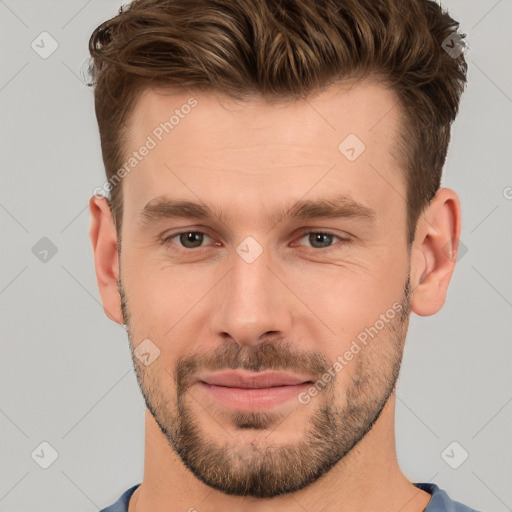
(262, 468)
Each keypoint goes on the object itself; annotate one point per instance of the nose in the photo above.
(252, 302)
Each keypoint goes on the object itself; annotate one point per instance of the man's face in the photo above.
(263, 289)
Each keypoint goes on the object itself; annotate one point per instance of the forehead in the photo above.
(368, 109)
(218, 148)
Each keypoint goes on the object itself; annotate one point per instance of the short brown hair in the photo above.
(284, 50)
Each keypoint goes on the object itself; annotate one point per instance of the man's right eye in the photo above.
(187, 239)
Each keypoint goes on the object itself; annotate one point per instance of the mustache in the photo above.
(264, 356)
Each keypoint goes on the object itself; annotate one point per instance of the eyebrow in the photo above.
(340, 206)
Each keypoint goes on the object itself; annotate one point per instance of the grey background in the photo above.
(65, 372)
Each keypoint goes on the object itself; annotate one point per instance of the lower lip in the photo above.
(249, 399)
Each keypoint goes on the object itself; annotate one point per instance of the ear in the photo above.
(434, 252)
(103, 237)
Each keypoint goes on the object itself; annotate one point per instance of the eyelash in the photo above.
(341, 240)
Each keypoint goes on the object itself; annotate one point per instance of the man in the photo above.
(275, 216)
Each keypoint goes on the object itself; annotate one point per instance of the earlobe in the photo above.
(434, 252)
(103, 238)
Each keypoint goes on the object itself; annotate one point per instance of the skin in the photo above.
(249, 159)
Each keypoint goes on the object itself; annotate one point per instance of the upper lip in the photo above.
(251, 380)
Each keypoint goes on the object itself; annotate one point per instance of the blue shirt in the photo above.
(440, 501)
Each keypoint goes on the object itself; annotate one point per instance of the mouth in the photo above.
(247, 391)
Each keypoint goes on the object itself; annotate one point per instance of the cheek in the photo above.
(352, 299)
(164, 304)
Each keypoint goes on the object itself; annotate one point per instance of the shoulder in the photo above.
(121, 505)
(440, 501)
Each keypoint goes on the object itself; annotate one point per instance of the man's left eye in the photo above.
(321, 239)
